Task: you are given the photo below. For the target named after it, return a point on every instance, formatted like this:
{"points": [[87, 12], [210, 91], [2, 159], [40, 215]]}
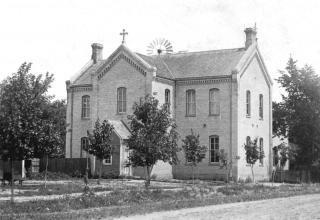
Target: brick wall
{"points": [[204, 125], [253, 80]]}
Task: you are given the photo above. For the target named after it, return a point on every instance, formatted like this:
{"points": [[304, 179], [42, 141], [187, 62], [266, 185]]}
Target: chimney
{"points": [[251, 36], [96, 52]]}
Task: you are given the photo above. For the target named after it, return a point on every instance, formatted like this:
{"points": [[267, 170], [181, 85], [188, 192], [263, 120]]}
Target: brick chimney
{"points": [[96, 52], [251, 36]]}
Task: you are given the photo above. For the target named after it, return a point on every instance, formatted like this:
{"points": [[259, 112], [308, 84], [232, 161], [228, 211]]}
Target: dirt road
{"points": [[298, 207]]}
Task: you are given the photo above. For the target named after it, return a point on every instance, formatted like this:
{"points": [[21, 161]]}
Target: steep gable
{"points": [[124, 53]]}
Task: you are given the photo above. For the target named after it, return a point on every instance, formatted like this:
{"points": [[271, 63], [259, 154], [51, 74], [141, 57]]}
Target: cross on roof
{"points": [[124, 33]]}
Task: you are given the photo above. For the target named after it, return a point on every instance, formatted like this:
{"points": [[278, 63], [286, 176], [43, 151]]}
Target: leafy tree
{"points": [[153, 136], [193, 151], [253, 154], [57, 115], [283, 154], [23, 98], [298, 114], [100, 142]]}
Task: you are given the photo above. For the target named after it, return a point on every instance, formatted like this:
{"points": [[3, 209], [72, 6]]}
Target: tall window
{"points": [[167, 97], [261, 106], [214, 149], [85, 110], [261, 150], [84, 144], [191, 102], [121, 100], [214, 102], [248, 103]]}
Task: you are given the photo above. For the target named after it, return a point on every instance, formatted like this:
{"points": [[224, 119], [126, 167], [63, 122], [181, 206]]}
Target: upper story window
{"points": [[191, 102], [84, 144], [214, 149], [261, 106], [248, 103], [121, 100], [214, 101], [261, 150], [85, 107], [167, 97]]}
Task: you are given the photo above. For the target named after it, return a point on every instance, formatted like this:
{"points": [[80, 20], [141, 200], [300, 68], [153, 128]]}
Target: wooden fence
{"points": [[70, 166], [296, 176]]}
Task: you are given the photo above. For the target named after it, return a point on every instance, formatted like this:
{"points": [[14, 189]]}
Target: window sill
{"points": [[216, 164], [214, 115], [85, 119], [191, 116], [107, 164], [121, 113]]}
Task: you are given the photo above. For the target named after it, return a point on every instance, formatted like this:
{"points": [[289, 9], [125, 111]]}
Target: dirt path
{"points": [[297, 207]]}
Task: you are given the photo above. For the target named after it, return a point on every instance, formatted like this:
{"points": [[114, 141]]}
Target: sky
{"points": [[56, 35]]}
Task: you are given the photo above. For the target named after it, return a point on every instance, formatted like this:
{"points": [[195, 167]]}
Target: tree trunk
{"points": [[100, 172], [252, 173], [148, 176], [12, 180], [46, 172], [192, 175]]}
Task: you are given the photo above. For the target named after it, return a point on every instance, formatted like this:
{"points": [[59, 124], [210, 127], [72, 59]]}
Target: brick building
{"points": [[224, 95]]}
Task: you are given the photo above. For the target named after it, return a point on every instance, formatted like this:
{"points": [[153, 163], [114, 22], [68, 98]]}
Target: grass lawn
{"points": [[138, 201]]}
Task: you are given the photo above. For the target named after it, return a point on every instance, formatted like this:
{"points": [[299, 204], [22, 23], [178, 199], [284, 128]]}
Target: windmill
{"points": [[159, 46]]}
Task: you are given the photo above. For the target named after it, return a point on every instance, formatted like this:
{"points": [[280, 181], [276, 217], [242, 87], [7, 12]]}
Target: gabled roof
{"points": [[176, 66], [84, 76], [120, 129], [196, 64]]}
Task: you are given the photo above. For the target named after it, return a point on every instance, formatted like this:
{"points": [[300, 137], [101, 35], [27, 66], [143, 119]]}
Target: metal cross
{"points": [[124, 33]]}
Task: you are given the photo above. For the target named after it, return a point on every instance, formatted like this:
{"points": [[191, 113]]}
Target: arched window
{"points": [[167, 100], [121, 100], [261, 106], [214, 101], [191, 102], [261, 150], [214, 148], [85, 107], [248, 103], [84, 145]]}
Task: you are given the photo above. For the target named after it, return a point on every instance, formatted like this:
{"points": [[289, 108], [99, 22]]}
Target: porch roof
{"points": [[120, 129]]}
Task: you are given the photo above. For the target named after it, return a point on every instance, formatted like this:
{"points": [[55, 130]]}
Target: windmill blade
{"points": [[159, 46]]}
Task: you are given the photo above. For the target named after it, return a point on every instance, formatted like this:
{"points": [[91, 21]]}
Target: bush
{"points": [[50, 176]]}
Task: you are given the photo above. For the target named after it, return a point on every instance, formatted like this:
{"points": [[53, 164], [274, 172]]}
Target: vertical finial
{"points": [[124, 33]]}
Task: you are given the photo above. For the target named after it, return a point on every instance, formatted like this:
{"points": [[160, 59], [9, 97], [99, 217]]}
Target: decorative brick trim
{"points": [[80, 88], [203, 81], [116, 60], [165, 81]]}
